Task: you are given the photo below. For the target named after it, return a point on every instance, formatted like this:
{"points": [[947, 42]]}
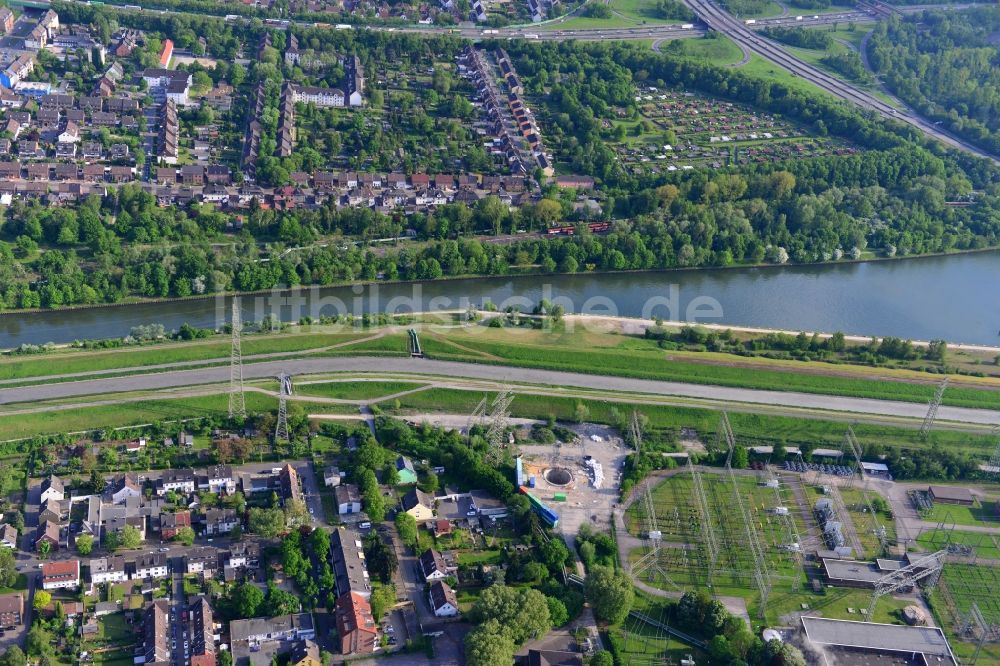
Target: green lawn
{"points": [[354, 389], [757, 427], [74, 361], [134, 413], [984, 545], [981, 515], [475, 558], [115, 631], [645, 360], [761, 68], [716, 50], [20, 584]]}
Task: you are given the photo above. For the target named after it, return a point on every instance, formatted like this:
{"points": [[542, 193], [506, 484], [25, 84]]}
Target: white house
{"points": [[62, 575], [443, 600], [348, 499], [432, 566], [150, 565], [108, 570], [124, 487], [52, 488], [332, 477]]}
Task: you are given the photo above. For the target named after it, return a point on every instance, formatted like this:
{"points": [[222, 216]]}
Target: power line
{"points": [[932, 408], [284, 390], [237, 401], [928, 566], [761, 575], [496, 435], [851, 441]]}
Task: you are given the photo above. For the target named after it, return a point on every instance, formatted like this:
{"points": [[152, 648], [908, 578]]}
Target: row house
{"points": [[108, 570], [172, 523], [149, 565], [18, 70], [220, 521], [61, 575], [169, 132]]}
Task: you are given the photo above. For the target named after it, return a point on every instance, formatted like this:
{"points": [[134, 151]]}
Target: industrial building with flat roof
{"points": [[847, 642]]}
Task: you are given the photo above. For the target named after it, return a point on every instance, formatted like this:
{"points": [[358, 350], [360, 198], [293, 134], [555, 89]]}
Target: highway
{"points": [[451, 370], [718, 19]]}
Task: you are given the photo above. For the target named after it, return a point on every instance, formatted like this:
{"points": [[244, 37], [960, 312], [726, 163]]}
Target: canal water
{"points": [[955, 297]]}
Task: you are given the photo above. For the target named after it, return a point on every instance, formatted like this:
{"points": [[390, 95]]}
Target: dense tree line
{"points": [[890, 197], [806, 39], [945, 65]]}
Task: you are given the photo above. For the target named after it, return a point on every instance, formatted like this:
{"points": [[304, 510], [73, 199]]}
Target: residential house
{"points": [[8, 536], [290, 486], [355, 79], [172, 523], [47, 532], [432, 566], [356, 627], [6, 20], [149, 565], [321, 97], [221, 175], [176, 480], [11, 606], [124, 486], [332, 477], [64, 574], [405, 470], [51, 511], [220, 521], [201, 560], [418, 504], [52, 488], [155, 634], [282, 628], [166, 53], [348, 499], [241, 555], [443, 600], [202, 633], [108, 570], [18, 70], [304, 653], [347, 557]]}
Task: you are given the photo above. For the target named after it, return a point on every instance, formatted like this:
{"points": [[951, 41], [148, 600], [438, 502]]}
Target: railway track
{"points": [[715, 18]]}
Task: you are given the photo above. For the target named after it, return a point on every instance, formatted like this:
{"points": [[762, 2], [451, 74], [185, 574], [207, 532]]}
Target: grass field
{"points": [[73, 361], [685, 555], [863, 523], [718, 50], [115, 416], [984, 545], [354, 390], [643, 359], [962, 585], [749, 428], [981, 515]]}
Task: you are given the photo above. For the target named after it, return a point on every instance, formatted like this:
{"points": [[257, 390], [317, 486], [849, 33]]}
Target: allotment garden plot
{"points": [[683, 130], [685, 554]]}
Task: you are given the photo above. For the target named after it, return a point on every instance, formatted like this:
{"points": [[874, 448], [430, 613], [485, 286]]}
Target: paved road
{"points": [[718, 19], [452, 370]]}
